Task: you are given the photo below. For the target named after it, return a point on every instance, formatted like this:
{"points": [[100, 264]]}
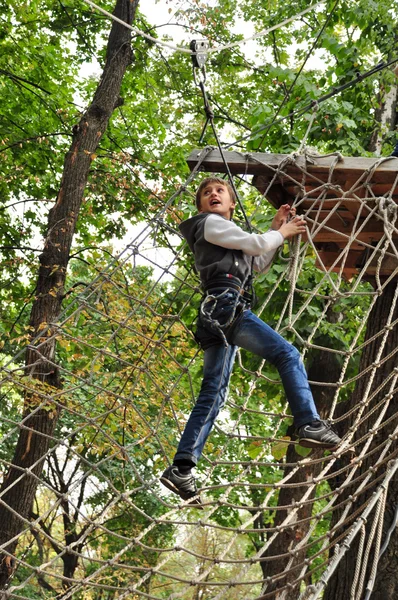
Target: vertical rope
{"points": [[376, 557], [358, 563], [365, 557]]}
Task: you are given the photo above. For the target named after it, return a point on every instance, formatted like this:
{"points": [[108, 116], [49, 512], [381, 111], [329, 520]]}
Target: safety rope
{"points": [[200, 81], [199, 64]]}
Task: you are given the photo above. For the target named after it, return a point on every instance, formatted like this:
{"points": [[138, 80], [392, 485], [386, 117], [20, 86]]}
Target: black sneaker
{"points": [[182, 485], [318, 434]]}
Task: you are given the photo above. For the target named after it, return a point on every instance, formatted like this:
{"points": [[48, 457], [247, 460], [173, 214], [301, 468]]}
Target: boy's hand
{"points": [[294, 227], [282, 215]]}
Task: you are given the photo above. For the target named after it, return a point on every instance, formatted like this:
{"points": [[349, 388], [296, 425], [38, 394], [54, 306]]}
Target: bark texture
{"points": [[386, 585], [19, 486]]}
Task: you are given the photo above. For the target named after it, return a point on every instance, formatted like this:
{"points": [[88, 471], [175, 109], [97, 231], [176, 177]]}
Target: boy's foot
{"points": [[318, 434], [182, 485]]}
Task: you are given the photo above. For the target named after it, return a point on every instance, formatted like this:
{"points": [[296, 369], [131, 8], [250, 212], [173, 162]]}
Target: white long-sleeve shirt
{"points": [[227, 234]]}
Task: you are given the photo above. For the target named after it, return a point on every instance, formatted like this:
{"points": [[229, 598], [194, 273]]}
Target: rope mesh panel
{"points": [[102, 526]]}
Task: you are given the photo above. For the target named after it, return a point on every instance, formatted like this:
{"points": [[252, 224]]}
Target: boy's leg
{"points": [[257, 337], [217, 368], [395, 151]]}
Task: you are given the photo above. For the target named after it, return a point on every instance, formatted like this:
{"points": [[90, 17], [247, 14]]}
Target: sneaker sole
{"points": [[195, 501], [170, 486], [308, 443]]}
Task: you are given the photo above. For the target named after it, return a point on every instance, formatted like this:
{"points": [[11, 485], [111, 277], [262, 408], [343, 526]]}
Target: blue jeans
{"points": [[395, 151], [250, 333]]}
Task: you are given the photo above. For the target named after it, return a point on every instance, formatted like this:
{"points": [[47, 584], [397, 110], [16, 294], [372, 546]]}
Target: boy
{"points": [[223, 256]]}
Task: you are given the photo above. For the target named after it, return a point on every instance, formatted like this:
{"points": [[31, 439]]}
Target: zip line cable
{"points": [[308, 55], [301, 111], [220, 48], [298, 112]]}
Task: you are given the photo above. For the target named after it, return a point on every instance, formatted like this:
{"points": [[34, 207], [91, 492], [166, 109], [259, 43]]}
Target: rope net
{"points": [[277, 518]]}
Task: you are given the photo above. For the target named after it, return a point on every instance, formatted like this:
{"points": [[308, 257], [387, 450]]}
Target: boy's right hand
{"points": [[294, 227]]}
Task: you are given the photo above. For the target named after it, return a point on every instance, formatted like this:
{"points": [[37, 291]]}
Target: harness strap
{"points": [[224, 280], [227, 281]]}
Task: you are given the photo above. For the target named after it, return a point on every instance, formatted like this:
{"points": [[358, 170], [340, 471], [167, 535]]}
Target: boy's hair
{"points": [[206, 182]]}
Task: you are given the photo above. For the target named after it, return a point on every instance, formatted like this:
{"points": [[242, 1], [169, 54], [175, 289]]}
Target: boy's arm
{"points": [[261, 264], [263, 246], [226, 234], [288, 228]]}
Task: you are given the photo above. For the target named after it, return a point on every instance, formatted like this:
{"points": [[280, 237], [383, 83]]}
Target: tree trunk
{"points": [[323, 368], [385, 116], [386, 585], [20, 483]]}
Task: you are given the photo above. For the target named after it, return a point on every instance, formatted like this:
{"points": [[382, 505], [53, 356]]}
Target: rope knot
{"points": [[209, 112], [308, 592], [388, 209]]}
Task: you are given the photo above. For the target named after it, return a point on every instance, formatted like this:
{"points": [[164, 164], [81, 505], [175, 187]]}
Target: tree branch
{"points": [[17, 78]]}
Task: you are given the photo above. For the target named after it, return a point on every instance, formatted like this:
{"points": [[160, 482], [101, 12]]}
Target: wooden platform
{"points": [[339, 198]]}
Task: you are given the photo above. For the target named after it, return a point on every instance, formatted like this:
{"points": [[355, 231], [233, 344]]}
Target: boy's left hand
{"points": [[282, 215]]}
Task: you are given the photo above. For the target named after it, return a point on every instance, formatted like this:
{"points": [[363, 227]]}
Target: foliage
{"points": [[124, 323]]}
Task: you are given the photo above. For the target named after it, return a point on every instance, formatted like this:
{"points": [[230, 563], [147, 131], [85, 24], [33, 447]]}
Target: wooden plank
{"points": [[381, 189], [260, 163], [325, 227], [354, 262], [324, 237], [321, 239], [289, 192], [328, 259], [325, 204], [344, 223], [347, 272]]}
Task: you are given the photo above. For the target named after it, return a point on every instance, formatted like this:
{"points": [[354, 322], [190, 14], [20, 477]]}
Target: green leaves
{"points": [[279, 449]]}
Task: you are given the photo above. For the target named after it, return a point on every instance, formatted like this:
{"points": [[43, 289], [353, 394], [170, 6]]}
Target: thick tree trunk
{"points": [[20, 483], [386, 586], [323, 368]]}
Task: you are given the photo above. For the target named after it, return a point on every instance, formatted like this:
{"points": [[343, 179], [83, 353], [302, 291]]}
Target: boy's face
{"points": [[215, 198]]}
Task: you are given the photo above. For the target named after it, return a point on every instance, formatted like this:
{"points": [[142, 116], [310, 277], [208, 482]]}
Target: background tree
{"points": [[33, 442]]}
